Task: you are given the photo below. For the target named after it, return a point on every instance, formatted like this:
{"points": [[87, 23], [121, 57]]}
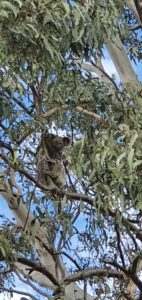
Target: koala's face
{"points": [[58, 144], [54, 145]]}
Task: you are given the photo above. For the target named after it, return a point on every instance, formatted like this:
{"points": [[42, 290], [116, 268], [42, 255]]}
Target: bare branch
{"points": [[18, 292], [103, 71], [66, 107], [18, 101], [133, 238], [128, 273], [49, 113], [134, 269], [27, 281], [25, 135], [70, 258], [116, 265], [135, 229], [8, 147], [36, 98], [135, 28], [89, 113], [81, 275], [39, 268], [119, 245]]}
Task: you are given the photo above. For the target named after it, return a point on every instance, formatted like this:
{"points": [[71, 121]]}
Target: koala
{"points": [[50, 160]]}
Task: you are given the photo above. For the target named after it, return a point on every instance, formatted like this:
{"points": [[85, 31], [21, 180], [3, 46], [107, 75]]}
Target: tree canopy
{"points": [[84, 242]]}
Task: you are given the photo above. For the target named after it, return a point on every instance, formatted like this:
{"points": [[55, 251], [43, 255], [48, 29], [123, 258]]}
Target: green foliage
{"points": [[110, 160], [13, 242], [42, 86], [42, 32]]}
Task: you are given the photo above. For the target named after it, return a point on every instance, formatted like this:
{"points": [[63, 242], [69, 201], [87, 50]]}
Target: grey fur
{"points": [[50, 160]]}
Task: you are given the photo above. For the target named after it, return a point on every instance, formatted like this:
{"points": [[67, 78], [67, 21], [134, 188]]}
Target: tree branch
{"points": [[27, 281], [36, 98], [134, 228], [39, 268], [135, 10], [121, 61], [66, 107], [70, 258], [137, 27], [18, 292], [119, 245], [83, 274], [18, 101], [103, 71], [25, 135], [89, 113], [8, 147], [129, 274]]}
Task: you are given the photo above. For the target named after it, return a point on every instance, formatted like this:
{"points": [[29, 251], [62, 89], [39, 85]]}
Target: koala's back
{"points": [[49, 160]]}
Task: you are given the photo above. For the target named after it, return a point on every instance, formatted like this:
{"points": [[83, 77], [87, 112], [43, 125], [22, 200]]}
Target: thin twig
{"points": [[18, 101], [119, 245], [103, 71], [2, 126], [18, 292], [135, 27], [25, 135], [28, 282], [8, 147], [29, 207], [70, 258]]}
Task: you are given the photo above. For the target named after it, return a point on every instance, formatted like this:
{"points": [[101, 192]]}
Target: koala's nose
{"points": [[59, 154], [59, 147]]}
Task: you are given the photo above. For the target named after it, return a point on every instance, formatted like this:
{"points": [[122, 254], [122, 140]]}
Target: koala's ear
{"points": [[66, 141]]}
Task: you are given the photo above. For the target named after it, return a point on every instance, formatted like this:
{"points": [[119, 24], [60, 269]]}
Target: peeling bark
{"points": [[123, 66]]}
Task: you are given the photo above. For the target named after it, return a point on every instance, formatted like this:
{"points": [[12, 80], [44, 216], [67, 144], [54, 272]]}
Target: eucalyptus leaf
{"points": [[133, 139], [121, 156], [130, 158], [10, 6]]}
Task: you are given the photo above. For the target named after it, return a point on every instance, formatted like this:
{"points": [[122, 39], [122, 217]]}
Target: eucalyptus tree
{"points": [[83, 242]]}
